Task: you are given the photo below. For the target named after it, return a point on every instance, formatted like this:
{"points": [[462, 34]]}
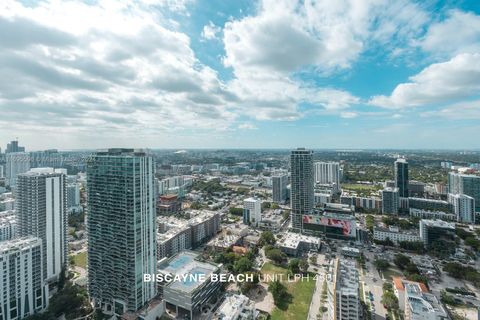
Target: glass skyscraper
{"points": [[302, 186], [401, 177], [121, 229]]}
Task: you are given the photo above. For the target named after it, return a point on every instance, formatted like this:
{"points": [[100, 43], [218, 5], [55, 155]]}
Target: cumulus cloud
{"points": [[288, 35], [120, 69], [439, 83], [210, 31], [458, 33], [467, 110]]}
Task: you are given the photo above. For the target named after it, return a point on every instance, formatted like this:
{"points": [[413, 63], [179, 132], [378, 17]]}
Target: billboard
{"points": [[346, 225]]}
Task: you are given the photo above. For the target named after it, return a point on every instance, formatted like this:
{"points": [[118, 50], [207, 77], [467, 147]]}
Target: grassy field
{"points": [[81, 260], [301, 292], [359, 187], [389, 274]]}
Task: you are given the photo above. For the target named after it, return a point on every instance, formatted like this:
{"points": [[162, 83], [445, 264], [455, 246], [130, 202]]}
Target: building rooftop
{"points": [[186, 263], [232, 306], [347, 279], [399, 284], [438, 224], [293, 240], [422, 303], [18, 244]]}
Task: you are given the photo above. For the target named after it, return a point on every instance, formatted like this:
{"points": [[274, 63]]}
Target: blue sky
{"points": [[240, 74]]}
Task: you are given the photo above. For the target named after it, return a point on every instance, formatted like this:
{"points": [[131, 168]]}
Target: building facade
{"points": [[8, 225], [252, 211], [465, 184], [327, 173], [302, 197], [279, 188], [343, 291], [121, 228], [390, 200], [17, 162], [401, 177], [23, 291], [41, 212], [463, 207]]}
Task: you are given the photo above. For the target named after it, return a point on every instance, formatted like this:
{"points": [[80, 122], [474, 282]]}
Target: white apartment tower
{"points": [[41, 212], [17, 162], [279, 188], [252, 211], [328, 173], [23, 291], [463, 207]]}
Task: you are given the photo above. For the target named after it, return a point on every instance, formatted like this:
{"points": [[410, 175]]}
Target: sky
{"points": [[240, 74]]}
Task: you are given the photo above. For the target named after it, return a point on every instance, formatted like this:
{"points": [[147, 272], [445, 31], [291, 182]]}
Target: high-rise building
{"points": [[465, 184], [8, 225], [463, 207], [41, 212], [252, 211], [17, 162], [14, 147], [401, 177], [302, 187], [328, 173], [73, 196], [23, 291], [121, 229], [48, 158], [390, 201], [436, 231], [279, 188], [343, 291]]}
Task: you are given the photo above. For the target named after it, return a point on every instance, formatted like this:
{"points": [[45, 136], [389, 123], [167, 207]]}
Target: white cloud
{"points": [[348, 114], [247, 126], [286, 36], [121, 69], [439, 83], [458, 33], [210, 31], [468, 110]]}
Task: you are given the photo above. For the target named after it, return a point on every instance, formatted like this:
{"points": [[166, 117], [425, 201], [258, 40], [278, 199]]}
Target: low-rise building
{"points": [[295, 244], [236, 307], [351, 252], [186, 296], [395, 235], [175, 235], [421, 305], [343, 293], [436, 230], [428, 214], [399, 289]]}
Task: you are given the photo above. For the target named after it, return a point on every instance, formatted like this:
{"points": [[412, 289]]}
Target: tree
{"points": [[243, 265], [279, 293], [401, 261], [266, 237], [303, 265], [381, 264], [370, 222], [389, 300], [236, 211], [275, 255], [294, 265]]}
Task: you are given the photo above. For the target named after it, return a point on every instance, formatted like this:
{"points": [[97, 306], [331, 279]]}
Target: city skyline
{"points": [[250, 74]]}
